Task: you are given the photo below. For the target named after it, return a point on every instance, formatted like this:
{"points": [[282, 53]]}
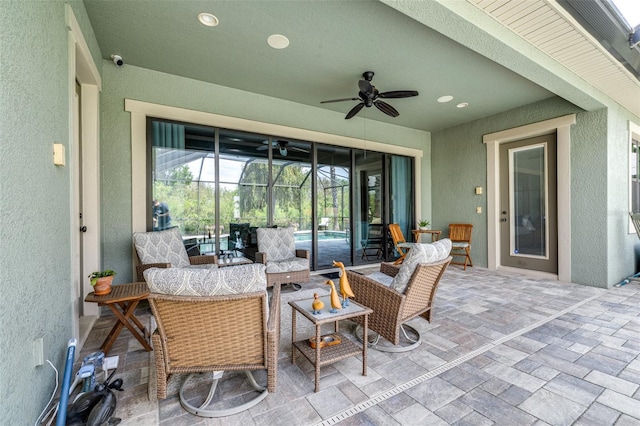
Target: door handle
{"points": [[83, 229], [504, 219]]}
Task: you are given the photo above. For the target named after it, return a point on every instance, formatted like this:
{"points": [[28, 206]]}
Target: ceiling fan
{"points": [[282, 146], [369, 95]]}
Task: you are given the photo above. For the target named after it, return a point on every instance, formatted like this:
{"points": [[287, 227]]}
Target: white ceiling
{"points": [[334, 42]]}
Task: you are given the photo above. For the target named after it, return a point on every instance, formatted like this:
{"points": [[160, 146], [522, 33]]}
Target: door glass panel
{"points": [[244, 177], [370, 230], [529, 201], [332, 205], [401, 200], [183, 182], [292, 205]]}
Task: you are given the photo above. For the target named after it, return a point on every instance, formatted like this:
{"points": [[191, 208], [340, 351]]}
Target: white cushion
{"points": [[278, 243], [460, 245], [207, 282], [287, 265], [381, 277], [161, 247], [420, 253]]}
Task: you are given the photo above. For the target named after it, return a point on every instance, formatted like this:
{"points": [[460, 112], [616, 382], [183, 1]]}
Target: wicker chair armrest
{"points": [[261, 258], [203, 259], [273, 324], [141, 268], [273, 339], [374, 295], [389, 268], [302, 253]]}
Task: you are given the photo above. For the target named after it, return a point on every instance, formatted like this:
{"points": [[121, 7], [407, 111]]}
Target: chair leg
{"points": [[217, 375], [295, 286], [386, 346]]}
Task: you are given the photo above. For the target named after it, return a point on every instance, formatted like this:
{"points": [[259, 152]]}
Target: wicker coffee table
{"points": [[328, 354]]}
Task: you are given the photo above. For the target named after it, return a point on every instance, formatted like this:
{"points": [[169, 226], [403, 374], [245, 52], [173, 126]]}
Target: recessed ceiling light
{"points": [[462, 105], [208, 19], [277, 41], [443, 99]]}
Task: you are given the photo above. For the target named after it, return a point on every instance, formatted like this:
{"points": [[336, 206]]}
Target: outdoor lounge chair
{"points": [[398, 294], [285, 264], [211, 321], [165, 249]]}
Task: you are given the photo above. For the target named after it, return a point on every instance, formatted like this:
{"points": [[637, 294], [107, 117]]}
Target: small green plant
{"points": [[423, 222], [99, 274]]}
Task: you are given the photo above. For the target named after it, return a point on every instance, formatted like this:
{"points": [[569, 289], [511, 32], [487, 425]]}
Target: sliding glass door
{"points": [[218, 186]]}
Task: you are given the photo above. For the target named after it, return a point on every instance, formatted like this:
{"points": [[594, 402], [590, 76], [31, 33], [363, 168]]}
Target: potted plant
{"points": [[423, 224], [101, 281]]}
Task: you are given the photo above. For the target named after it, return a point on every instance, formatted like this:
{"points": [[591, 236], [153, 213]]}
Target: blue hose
{"points": [[61, 419]]}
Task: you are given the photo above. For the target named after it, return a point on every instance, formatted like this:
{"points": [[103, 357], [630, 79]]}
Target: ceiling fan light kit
{"points": [[370, 96]]}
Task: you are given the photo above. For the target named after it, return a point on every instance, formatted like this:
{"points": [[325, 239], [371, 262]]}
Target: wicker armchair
{"points": [[393, 308], [285, 264], [165, 249], [224, 332]]}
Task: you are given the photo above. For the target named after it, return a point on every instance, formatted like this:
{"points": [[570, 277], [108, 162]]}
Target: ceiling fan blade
{"points": [[365, 87], [340, 100], [386, 108], [295, 148], [398, 94], [356, 109]]}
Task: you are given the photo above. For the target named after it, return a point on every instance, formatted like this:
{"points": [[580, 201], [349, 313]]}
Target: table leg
{"points": [[317, 361], [135, 320], [364, 345], [293, 335], [123, 321]]}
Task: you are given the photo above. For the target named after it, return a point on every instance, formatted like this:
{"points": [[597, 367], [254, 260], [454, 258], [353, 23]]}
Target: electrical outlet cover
{"points": [[110, 362]]}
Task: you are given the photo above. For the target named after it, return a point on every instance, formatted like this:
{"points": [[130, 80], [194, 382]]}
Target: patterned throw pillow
{"points": [[278, 243], [207, 282], [420, 253], [161, 247]]}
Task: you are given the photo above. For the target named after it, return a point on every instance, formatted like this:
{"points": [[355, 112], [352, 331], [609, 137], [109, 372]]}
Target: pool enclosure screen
{"points": [[218, 186]]}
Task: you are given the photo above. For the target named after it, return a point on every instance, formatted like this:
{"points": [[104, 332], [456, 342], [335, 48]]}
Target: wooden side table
{"points": [[328, 354], [435, 234], [122, 301]]}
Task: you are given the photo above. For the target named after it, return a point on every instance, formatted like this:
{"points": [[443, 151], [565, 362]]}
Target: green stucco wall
{"points": [[620, 240], [155, 87], [599, 185], [589, 198], [35, 258]]}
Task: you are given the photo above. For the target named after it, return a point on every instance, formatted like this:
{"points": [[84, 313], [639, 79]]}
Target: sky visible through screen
{"points": [[630, 9]]}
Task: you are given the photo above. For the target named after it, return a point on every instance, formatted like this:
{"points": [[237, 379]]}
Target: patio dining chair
{"points": [[460, 236], [401, 245], [214, 321], [372, 245], [398, 294], [166, 249]]}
